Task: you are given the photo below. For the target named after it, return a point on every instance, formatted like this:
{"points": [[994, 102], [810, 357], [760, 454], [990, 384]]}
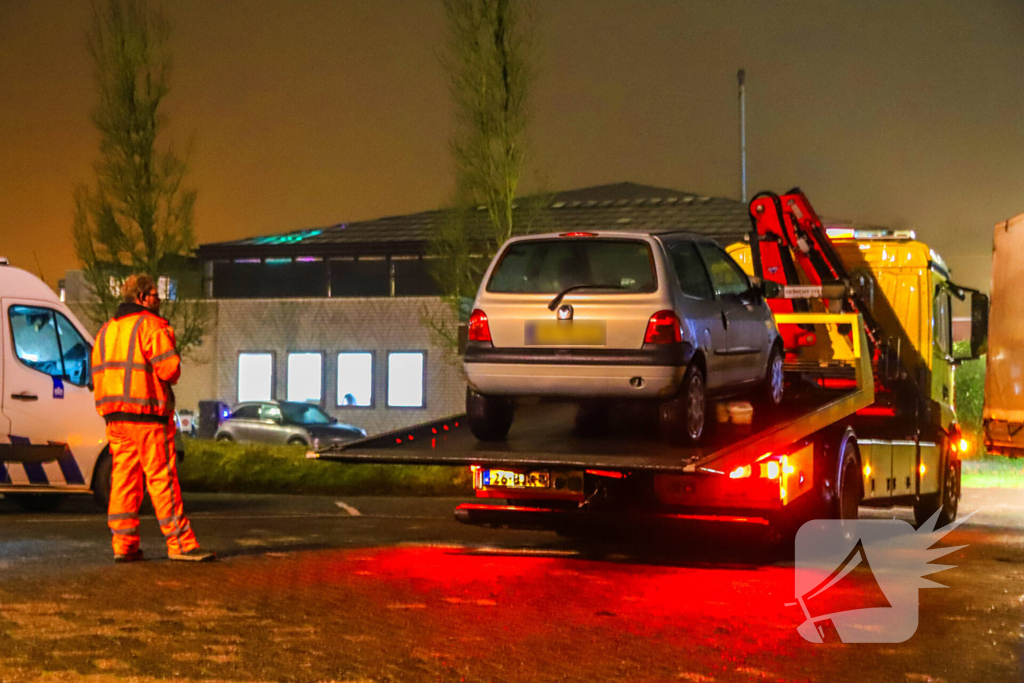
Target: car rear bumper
{"points": [[649, 372], [574, 381]]}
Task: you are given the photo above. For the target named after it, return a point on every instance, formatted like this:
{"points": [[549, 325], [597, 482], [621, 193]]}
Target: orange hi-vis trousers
{"points": [[145, 448]]}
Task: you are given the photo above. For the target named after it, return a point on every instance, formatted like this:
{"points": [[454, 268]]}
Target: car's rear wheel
{"points": [[297, 441], [771, 390], [224, 437], [682, 417], [489, 417]]}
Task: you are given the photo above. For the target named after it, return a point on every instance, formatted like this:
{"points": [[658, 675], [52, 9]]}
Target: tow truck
{"points": [[868, 419]]}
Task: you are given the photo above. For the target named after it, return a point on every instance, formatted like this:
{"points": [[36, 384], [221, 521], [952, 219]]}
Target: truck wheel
{"points": [[771, 390], [850, 486], [947, 499], [36, 502], [489, 417], [682, 418]]}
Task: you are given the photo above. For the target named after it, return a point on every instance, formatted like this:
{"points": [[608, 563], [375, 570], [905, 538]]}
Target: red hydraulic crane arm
{"points": [[788, 234]]}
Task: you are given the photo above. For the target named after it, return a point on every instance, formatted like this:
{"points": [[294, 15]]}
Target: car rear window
{"points": [[551, 266]]}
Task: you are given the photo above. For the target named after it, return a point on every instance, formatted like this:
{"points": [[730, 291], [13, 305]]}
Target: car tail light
{"points": [[663, 328], [479, 330], [578, 234]]}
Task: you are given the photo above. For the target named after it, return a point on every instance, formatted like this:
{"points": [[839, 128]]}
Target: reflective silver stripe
{"points": [[163, 356], [122, 515], [168, 520], [132, 341], [117, 364], [125, 532], [133, 401]]}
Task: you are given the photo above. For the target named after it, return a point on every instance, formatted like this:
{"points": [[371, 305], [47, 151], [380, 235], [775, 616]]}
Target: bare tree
{"points": [[138, 217], [488, 65]]}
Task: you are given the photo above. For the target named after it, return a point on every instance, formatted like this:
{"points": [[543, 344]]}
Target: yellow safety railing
{"points": [[832, 321]]}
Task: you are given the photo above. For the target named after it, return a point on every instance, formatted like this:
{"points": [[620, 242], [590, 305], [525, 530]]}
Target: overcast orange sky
{"points": [[307, 113]]}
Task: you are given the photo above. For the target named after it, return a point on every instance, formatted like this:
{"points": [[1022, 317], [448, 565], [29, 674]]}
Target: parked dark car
{"points": [[285, 422]]}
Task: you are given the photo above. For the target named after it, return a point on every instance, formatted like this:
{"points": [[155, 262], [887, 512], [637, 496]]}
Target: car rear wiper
{"points": [[558, 299]]}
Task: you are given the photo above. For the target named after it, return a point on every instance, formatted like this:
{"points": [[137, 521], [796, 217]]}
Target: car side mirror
{"points": [[769, 289], [334, 420]]}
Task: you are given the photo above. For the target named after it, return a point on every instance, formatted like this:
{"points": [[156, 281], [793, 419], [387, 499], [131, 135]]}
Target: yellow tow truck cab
{"points": [[909, 438]]}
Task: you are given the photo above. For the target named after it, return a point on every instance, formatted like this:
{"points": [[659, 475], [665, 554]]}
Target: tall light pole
{"points": [[741, 76]]}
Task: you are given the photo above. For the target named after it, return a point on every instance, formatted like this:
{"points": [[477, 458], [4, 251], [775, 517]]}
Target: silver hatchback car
{"points": [[285, 422], [669, 318]]}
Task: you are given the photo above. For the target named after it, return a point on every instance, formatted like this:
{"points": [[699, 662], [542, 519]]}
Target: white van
{"points": [[52, 441]]}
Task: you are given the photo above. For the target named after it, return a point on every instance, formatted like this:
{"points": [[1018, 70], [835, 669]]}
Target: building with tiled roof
{"points": [[385, 256]]}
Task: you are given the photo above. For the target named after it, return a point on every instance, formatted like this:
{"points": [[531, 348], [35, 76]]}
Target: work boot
{"points": [[194, 555], [133, 556]]}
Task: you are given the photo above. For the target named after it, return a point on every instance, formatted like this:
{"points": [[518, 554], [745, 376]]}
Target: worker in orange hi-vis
{"points": [[134, 364]]}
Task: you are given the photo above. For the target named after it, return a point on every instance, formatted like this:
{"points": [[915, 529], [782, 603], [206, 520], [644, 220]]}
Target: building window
{"points": [[365, 276], [405, 379], [413, 278], [355, 379], [305, 377], [255, 376]]}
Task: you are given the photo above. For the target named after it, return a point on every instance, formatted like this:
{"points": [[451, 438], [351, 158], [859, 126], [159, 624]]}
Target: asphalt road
{"points": [[390, 589]]}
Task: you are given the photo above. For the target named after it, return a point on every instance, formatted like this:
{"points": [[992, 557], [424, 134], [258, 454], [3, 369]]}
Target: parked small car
{"points": [[285, 422], [600, 317]]}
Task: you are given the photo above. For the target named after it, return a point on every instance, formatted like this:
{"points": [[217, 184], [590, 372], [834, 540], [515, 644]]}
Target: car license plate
{"points": [[565, 333], [515, 480]]}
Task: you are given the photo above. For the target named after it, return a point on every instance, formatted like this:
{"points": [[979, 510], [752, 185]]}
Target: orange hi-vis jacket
{"points": [[134, 364]]}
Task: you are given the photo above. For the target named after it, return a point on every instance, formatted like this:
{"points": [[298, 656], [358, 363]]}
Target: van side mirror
{"points": [[979, 324]]}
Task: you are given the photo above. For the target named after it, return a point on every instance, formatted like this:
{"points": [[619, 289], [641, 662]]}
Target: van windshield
{"points": [[550, 266]]}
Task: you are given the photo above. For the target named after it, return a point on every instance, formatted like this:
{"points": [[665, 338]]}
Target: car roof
{"points": [[666, 235]]}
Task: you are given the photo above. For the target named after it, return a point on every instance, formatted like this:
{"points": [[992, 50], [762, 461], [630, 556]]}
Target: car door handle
{"points": [[725, 320], [25, 397]]}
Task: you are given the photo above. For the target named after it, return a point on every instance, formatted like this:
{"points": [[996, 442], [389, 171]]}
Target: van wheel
{"points": [[489, 417], [101, 480], [947, 499], [682, 418], [772, 389], [36, 502]]}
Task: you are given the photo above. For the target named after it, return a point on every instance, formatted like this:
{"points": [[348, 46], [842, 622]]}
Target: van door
{"points": [[46, 395]]}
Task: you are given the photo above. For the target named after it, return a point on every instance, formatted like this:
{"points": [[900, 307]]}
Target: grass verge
{"points": [[226, 467], [992, 471]]}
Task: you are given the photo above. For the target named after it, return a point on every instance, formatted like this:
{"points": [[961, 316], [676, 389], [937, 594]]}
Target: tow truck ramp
{"points": [[547, 454]]}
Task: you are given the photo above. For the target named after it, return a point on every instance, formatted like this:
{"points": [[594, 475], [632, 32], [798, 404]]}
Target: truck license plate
{"points": [[565, 333], [515, 480]]}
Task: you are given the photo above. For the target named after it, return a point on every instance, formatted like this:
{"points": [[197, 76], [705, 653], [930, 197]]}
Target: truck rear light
{"points": [[740, 472], [663, 328], [479, 330], [807, 339]]}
